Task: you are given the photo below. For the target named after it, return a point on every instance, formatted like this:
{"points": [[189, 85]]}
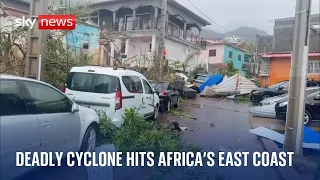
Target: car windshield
{"points": [[277, 85], [160, 85]]}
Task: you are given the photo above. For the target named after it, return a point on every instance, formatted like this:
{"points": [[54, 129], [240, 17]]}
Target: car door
{"points": [[132, 95], [79, 87], [148, 99], [20, 131], [104, 94], [60, 128]]}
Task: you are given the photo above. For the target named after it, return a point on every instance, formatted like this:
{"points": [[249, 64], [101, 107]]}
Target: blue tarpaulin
{"points": [[214, 80], [310, 136]]}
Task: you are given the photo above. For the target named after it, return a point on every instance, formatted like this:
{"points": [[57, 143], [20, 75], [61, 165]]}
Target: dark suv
{"points": [[280, 88]]}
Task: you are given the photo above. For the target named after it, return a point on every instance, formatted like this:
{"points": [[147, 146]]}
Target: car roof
{"points": [[13, 77], [106, 71]]}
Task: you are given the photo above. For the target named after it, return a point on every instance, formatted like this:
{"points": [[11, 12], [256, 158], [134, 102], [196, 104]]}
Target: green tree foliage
{"points": [[230, 70], [59, 57]]}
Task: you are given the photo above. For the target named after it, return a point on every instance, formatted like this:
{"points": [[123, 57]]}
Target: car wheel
{"points": [[89, 140], [178, 104], [265, 97], [307, 118]]}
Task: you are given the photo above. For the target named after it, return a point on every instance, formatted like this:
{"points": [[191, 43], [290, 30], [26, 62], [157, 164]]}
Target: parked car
{"points": [[35, 117], [275, 99], [280, 88], [188, 92], [200, 78], [168, 94], [312, 107], [111, 90]]}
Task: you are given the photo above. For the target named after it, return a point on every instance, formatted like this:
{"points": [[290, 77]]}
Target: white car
{"points": [[111, 90], [36, 117]]}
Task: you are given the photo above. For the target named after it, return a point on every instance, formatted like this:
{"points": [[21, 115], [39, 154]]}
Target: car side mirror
{"points": [[75, 108], [280, 88], [317, 97]]}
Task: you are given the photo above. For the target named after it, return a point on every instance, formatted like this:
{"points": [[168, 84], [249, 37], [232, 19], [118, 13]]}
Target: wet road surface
{"points": [[223, 124]]}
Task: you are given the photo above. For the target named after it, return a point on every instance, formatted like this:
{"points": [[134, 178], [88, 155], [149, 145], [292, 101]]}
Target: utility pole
{"points": [[162, 33], [299, 60], [37, 42]]}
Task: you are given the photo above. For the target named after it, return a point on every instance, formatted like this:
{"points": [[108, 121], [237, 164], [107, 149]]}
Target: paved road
{"points": [[220, 124], [224, 124]]}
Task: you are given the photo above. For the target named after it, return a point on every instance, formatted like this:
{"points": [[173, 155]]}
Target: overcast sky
{"points": [[232, 14]]}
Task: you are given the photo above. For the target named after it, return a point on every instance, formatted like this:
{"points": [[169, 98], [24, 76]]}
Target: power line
{"points": [[207, 16]]}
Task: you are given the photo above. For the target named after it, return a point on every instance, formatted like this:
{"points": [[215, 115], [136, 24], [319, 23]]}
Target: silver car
{"points": [[36, 117], [275, 99]]}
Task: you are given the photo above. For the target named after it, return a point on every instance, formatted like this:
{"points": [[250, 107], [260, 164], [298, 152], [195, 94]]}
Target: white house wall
{"points": [[178, 51]]}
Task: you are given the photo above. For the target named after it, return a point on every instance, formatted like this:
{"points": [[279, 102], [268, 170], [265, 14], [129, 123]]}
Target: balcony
{"points": [[171, 29], [137, 25], [264, 70]]}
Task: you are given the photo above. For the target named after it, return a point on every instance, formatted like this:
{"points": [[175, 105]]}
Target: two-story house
{"points": [[223, 52], [274, 61], [138, 22]]}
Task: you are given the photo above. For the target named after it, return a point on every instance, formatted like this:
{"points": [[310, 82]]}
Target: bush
{"points": [[136, 134]]}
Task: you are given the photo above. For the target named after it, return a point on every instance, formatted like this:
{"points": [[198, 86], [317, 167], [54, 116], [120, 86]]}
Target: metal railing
{"points": [[171, 29], [136, 25]]}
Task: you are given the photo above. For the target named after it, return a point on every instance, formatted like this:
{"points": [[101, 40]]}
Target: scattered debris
{"points": [[235, 85], [311, 138]]}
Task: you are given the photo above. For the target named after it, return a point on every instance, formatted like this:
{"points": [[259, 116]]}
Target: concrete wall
{"points": [[280, 70], [235, 53], [178, 51], [139, 45], [283, 35], [85, 34]]}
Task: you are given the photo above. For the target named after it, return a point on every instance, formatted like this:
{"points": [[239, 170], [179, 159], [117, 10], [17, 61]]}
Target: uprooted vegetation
{"points": [[137, 134]]}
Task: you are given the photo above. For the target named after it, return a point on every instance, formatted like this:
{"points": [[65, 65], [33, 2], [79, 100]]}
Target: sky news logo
{"points": [[49, 22]]}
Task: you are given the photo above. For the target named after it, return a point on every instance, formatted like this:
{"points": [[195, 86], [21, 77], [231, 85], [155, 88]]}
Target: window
{"points": [[47, 100], [97, 83], [150, 48], [230, 54], [123, 48], [285, 85], [85, 46], [314, 67], [239, 57], [106, 84], [147, 88], [133, 84], [11, 99], [212, 53]]}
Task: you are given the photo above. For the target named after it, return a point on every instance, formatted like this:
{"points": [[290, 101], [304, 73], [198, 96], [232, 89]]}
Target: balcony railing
{"points": [[172, 29], [137, 25], [264, 70]]}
